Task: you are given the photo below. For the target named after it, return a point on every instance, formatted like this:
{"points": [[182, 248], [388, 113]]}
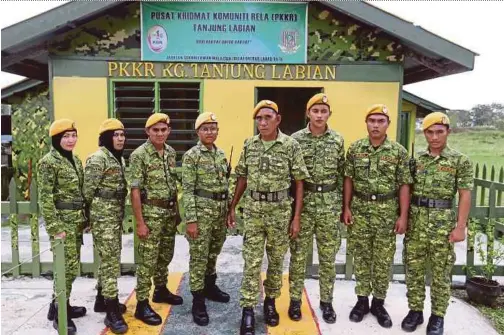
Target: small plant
{"points": [[483, 289]]}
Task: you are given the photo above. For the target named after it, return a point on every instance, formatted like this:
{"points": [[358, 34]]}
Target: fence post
{"points": [[59, 272], [483, 190], [13, 222], [501, 181], [35, 237]]}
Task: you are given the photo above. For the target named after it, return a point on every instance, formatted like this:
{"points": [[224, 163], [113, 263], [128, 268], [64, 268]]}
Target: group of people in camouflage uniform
{"points": [[294, 187]]}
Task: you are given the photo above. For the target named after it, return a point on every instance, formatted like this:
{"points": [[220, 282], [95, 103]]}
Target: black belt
{"points": [[431, 203], [71, 205], [162, 203], [319, 188], [109, 194], [219, 196], [269, 196], [376, 197]]}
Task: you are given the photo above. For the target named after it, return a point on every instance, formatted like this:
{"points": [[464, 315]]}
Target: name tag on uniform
{"points": [[264, 164]]}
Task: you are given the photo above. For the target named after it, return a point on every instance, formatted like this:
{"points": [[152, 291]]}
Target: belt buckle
{"points": [[319, 188], [223, 196], [373, 197], [171, 203], [263, 197]]}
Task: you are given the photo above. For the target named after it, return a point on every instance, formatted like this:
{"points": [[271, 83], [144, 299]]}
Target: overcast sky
{"points": [[477, 26]]}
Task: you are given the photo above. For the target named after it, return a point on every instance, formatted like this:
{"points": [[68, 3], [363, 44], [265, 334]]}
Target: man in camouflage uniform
{"points": [[376, 175], [205, 195], [105, 190], [61, 204], [324, 155], [439, 172], [266, 165], [154, 202]]}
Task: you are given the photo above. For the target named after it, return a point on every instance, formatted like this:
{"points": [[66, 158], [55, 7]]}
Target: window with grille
{"points": [[134, 102]]}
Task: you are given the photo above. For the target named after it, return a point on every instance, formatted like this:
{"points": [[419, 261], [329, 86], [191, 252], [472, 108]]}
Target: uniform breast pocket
{"points": [[279, 164], [387, 167], [362, 166], [443, 180]]}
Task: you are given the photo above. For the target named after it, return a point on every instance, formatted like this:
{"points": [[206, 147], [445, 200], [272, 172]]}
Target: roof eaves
{"points": [[405, 31], [19, 86], [416, 100]]}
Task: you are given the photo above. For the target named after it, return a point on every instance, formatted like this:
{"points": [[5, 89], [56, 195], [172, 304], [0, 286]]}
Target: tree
{"points": [[487, 115]]}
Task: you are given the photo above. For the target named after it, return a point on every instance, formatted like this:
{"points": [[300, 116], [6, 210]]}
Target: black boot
{"points": [[199, 312], [295, 310], [360, 309], [328, 313], [71, 328], [412, 321], [247, 326], [75, 311], [271, 316], [99, 305], [212, 291], [145, 313], [114, 319], [435, 325], [381, 313], [163, 295]]}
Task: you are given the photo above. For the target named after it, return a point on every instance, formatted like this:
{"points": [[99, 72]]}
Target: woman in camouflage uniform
{"points": [[62, 207], [105, 190]]}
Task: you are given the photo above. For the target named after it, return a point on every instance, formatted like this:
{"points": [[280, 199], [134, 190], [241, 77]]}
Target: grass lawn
{"points": [[495, 315], [483, 147]]}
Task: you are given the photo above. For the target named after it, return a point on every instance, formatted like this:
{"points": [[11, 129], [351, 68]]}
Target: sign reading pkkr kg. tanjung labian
{"points": [[232, 32]]}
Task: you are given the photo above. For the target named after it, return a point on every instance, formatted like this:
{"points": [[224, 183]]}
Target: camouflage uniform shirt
{"points": [[270, 170], [203, 169], [377, 171], [153, 173], [58, 180]]}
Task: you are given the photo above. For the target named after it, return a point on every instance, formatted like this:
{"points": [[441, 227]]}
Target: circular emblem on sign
{"points": [[157, 39], [324, 99], [385, 110], [212, 117]]}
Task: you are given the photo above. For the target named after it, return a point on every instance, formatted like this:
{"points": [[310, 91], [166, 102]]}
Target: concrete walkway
{"points": [[22, 298]]}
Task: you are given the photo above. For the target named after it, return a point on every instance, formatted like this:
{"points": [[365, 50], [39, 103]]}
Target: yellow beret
{"points": [[378, 109], [435, 118], [60, 126], [111, 124], [206, 117], [319, 98], [265, 104], [155, 118]]}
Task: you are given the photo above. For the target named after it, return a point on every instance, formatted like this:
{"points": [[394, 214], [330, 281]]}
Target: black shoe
{"points": [[71, 328], [163, 295], [435, 325], [114, 319], [212, 291], [247, 326], [271, 316], [99, 305], [412, 321], [380, 312], [328, 313], [360, 309], [199, 312], [295, 310], [74, 312], [145, 313]]}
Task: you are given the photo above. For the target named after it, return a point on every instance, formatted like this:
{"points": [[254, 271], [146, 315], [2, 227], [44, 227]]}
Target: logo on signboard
{"points": [[157, 39], [289, 41]]}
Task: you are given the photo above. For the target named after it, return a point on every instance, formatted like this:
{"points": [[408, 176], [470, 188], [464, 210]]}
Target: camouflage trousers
{"points": [[156, 251], [72, 246], [426, 242], [264, 223], [208, 245], [324, 224], [372, 242], [107, 237]]}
